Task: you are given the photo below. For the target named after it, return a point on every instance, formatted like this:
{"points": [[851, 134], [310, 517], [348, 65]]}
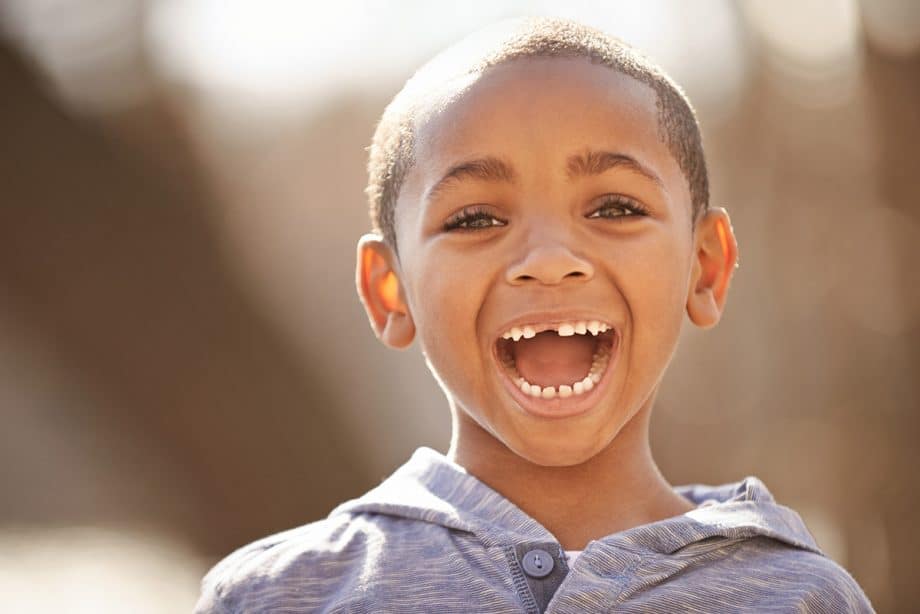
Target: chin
{"points": [[556, 451], [567, 445]]}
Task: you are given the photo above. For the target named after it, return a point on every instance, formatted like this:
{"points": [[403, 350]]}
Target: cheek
{"points": [[447, 302], [657, 301]]}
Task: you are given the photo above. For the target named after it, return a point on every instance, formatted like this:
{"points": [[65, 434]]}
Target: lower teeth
{"points": [[598, 365]]}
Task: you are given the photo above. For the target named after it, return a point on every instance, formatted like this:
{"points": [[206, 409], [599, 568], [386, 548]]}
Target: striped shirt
{"points": [[432, 538]]}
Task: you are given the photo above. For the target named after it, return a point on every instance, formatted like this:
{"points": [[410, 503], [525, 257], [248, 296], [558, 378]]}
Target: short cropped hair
{"points": [[392, 148]]}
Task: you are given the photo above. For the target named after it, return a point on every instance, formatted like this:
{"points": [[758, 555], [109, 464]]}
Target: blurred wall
{"points": [[184, 361]]}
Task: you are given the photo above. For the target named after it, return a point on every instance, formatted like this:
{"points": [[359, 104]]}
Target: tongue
{"points": [[550, 360]]}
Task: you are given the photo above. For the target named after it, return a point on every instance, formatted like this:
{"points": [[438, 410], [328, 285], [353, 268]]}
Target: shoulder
{"points": [[752, 550], [777, 574], [823, 584], [304, 562], [319, 565]]}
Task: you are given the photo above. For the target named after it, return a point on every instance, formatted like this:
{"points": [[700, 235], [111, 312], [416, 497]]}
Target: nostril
{"points": [[549, 264]]}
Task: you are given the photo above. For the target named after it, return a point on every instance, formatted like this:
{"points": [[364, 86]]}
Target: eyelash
{"points": [[464, 219], [617, 202]]}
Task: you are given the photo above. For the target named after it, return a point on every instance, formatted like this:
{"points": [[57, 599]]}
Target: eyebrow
{"points": [[489, 168], [597, 162], [585, 164]]}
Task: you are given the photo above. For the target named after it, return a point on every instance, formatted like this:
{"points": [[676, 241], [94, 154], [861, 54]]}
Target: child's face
{"points": [[550, 242]]}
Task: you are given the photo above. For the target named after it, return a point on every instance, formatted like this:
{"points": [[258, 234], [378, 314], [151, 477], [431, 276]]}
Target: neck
{"points": [[617, 489]]}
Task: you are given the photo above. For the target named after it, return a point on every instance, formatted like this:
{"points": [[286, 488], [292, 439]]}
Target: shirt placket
{"points": [[537, 569]]}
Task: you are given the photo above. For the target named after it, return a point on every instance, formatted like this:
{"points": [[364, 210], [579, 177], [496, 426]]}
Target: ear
{"points": [[715, 260], [381, 292]]}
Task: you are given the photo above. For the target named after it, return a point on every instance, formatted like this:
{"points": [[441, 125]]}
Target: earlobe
{"points": [[715, 258], [381, 293]]}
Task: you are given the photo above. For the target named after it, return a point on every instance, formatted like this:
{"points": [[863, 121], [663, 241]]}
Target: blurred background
{"points": [[185, 367]]}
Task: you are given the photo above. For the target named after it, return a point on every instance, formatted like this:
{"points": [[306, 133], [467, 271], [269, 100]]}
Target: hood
{"points": [[430, 488]]}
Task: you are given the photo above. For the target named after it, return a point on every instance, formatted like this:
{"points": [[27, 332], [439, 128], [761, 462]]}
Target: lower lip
{"points": [[558, 407]]}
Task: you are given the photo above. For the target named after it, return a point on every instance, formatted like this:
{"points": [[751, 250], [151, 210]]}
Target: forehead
{"points": [[535, 113]]}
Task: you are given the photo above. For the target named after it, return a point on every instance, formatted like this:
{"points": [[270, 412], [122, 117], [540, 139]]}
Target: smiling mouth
{"points": [[556, 360]]}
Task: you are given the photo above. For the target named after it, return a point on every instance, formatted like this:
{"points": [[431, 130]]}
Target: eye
{"points": [[475, 217], [612, 206]]}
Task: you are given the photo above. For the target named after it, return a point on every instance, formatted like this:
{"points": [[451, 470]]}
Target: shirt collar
{"points": [[431, 488]]}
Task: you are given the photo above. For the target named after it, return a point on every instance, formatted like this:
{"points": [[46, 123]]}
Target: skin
{"points": [[550, 249]]}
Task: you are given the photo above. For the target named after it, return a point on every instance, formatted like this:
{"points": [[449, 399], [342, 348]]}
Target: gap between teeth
{"points": [[598, 365], [566, 329]]}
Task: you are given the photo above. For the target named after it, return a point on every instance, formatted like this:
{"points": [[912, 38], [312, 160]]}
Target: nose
{"points": [[549, 264]]}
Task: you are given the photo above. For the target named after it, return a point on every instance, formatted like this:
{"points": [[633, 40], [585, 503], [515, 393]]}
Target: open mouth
{"points": [[561, 360]]}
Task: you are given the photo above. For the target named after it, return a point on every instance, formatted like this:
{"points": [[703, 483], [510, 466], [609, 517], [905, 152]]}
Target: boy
{"points": [[540, 201]]}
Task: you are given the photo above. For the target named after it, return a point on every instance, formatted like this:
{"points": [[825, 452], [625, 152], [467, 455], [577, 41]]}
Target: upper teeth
{"points": [[564, 329]]}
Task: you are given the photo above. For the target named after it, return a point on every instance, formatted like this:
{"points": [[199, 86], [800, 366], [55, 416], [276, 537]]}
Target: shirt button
{"points": [[537, 563]]}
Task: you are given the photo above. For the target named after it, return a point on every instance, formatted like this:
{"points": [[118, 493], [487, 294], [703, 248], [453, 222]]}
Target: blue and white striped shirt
{"points": [[432, 538]]}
